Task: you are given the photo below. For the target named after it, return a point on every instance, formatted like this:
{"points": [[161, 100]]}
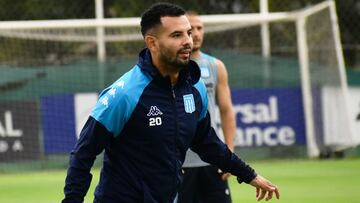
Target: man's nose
{"points": [[188, 40]]}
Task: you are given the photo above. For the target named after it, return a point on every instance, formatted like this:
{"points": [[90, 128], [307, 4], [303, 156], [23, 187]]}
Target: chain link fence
{"points": [[41, 70]]}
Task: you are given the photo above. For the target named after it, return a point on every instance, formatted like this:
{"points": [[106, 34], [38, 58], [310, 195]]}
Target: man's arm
{"points": [[93, 139], [227, 115], [212, 150], [223, 97]]}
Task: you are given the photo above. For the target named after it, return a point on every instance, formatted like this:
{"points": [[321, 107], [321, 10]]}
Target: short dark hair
{"points": [[151, 17]]}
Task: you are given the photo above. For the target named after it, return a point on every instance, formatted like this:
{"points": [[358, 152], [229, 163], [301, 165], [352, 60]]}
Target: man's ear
{"points": [[150, 42]]}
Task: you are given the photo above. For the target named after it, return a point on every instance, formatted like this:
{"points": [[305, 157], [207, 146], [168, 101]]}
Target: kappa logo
{"points": [[121, 84], [154, 111], [105, 101], [112, 92], [155, 121]]}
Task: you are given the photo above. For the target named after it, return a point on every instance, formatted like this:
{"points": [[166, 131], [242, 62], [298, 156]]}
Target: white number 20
{"points": [[155, 121]]}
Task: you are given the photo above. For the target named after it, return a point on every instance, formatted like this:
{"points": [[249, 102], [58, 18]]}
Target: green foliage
{"points": [[45, 9], [348, 14]]}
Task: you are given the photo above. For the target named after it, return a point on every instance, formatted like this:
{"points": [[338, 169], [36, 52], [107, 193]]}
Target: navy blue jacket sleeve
{"points": [[212, 150], [93, 139]]}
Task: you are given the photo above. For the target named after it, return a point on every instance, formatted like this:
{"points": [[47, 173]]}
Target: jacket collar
{"points": [[191, 73]]}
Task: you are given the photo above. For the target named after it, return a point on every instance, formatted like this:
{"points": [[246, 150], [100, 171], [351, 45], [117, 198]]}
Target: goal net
{"points": [[294, 97]]}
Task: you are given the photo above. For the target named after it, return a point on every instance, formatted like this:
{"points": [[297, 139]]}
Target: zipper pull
{"points": [[173, 92]]}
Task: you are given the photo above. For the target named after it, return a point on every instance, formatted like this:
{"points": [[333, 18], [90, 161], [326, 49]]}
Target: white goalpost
{"points": [[318, 51]]}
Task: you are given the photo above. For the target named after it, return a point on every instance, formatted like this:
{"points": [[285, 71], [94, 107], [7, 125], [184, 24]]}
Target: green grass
{"points": [[330, 181], [300, 181]]}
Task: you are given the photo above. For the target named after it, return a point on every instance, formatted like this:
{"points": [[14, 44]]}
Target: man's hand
{"points": [[264, 188], [225, 176]]}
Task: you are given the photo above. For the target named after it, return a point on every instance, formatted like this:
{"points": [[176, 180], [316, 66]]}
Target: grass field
{"points": [[300, 181]]}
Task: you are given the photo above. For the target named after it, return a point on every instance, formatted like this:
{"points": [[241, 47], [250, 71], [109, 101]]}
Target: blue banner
{"points": [[265, 117], [269, 117], [58, 118]]}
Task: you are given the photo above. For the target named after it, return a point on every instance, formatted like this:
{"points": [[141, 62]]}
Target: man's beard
{"points": [[174, 62], [197, 45], [194, 49]]}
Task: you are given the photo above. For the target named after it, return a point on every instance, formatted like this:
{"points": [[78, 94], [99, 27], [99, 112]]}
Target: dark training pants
{"points": [[203, 185]]}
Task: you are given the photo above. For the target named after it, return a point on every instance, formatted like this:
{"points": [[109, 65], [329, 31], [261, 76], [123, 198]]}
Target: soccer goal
{"points": [[43, 62], [310, 35]]}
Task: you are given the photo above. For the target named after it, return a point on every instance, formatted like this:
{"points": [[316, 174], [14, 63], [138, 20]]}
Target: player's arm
{"points": [[212, 150], [106, 120], [223, 97], [93, 139]]}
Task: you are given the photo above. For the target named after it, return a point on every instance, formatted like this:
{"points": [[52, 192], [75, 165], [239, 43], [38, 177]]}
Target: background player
{"points": [[203, 182]]}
